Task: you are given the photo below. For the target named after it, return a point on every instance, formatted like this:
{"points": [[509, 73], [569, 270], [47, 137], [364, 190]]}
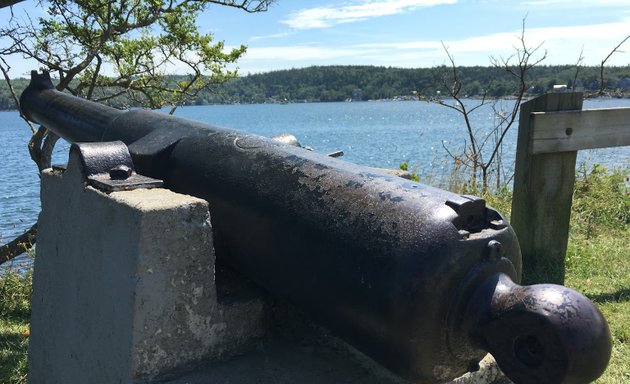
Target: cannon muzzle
{"points": [[422, 280]]}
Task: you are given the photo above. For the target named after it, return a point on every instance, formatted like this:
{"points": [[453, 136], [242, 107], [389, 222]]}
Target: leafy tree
{"points": [[119, 51]]}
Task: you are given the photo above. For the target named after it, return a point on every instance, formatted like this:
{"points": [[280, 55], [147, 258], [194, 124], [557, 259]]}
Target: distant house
{"points": [[560, 88], [357, 95]]}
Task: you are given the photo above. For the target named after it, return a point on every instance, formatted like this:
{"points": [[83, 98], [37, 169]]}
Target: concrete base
{"points": [[124, 286], [299, 351], [285, 362]]}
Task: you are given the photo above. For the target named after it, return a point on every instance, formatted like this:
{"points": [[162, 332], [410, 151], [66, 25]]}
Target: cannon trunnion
{"points": [[420, 279]]}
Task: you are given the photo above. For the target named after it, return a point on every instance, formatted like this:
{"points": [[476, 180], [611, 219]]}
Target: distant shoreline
{"points": [[362, 83], [396, 99]]}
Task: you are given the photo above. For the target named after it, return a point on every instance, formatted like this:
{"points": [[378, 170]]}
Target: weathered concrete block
{"points": [[124, 285]]}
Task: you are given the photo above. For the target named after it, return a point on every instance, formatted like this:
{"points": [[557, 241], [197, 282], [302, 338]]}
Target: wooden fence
{"points": [[552, 128]]}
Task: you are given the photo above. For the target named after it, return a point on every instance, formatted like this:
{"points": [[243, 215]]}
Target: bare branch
{"points": [[525, 54], [97, 70], [578, 65], [455, 157], [601, 68], [251, 6], [5, 68], [516, 66]]}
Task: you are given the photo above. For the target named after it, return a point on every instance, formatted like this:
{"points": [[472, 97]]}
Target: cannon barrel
{"points": [[422, 280]]}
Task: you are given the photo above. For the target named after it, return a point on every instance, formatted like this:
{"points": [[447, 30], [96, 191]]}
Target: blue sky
{"points": [[409, 33]]}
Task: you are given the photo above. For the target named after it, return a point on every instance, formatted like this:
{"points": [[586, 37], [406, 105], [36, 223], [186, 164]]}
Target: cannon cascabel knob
{"points": [[543, 333]]}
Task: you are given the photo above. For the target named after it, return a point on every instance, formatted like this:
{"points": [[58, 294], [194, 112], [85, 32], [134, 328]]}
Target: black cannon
{"points": [[420, 279]]}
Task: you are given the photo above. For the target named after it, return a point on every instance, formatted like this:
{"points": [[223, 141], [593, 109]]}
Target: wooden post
{"points": [[543, 190]]}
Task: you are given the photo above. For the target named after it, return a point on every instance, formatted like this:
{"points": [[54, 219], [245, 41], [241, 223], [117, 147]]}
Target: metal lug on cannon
{"points": [[473, 216], [495, 251], [107, 166], [543, 333]]}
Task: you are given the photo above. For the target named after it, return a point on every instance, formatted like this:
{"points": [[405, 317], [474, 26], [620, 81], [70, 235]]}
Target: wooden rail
{"points": [[552, 128], [575, 130]]}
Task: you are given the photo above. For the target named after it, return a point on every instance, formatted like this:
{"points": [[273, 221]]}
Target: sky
{"points": [[414, 33], [411, 33]]}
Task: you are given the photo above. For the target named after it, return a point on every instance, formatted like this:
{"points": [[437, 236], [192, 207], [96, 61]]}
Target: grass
{"points": [[597, 264], [598, 255], [598, 258], [15, 310]]}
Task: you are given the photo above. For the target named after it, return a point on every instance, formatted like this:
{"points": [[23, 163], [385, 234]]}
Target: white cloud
{"points": [[575, 3], [301, 52], [402, 45], [563, 45], [270, 36], [322, 17], [595, 38]]}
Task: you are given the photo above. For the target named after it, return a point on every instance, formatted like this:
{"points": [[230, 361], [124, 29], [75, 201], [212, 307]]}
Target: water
{"points": [[381, 134]]}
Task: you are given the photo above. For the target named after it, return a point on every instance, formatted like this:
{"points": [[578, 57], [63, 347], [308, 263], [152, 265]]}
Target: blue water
{"points": [[381, 134]]}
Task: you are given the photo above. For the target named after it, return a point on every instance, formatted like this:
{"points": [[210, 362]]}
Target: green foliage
{"points": [[600, 202], [13, 351], [338, 83], [15, 309], [500, 200], [6, 100], [412, 174], [15, 294], [121, 51], [597, 257]]}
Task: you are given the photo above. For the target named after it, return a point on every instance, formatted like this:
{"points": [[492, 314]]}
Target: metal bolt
{"points": [[120, 172]]}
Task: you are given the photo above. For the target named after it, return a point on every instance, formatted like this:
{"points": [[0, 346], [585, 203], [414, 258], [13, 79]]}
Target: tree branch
{"points": [[601, 68], [250, 6], [9, 3], [18, 245], [578, 63], [4, 67]]}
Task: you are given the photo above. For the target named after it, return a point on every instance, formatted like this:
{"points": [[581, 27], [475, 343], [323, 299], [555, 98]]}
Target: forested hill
{"points": [[340, 83]]}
